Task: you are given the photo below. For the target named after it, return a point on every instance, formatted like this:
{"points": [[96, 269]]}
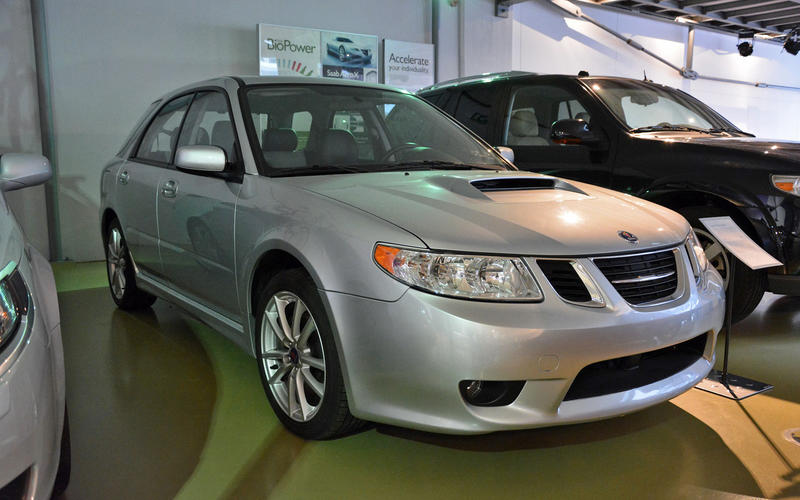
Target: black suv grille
{"points": [[641, 278], [564, 279]]}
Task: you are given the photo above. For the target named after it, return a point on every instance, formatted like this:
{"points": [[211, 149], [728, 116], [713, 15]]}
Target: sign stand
{"points": [[723, 383], [730, 236]]}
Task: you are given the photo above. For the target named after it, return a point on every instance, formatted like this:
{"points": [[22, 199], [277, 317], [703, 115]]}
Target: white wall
{"points": [[545, 40], [110, 58], [19, 113]]}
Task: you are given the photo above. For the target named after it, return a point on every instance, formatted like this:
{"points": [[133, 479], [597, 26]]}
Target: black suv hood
{"points": [[788, 151]]}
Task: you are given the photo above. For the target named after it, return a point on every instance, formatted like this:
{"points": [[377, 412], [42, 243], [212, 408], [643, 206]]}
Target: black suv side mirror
{"points": [[573, 132]]}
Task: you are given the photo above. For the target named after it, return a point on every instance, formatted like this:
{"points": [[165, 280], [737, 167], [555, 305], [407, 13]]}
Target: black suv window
{"points": [[534, 109], [158, 143], [209, 123], [474, 106]]}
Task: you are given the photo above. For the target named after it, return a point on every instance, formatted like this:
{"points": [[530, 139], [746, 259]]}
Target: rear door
{"points": [[527, 120], [138, 179], [196, 211]]}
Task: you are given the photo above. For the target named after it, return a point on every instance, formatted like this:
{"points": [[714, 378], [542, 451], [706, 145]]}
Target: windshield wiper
{"points": [[320, 170], [676, 128], [435, 165]]}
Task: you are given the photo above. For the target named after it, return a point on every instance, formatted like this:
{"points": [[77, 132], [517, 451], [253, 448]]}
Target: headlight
{"points": [[465, 276], [13, 304], [696, 253], [787, 183]]}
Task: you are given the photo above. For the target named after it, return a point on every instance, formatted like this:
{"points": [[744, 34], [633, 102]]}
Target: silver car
{"points": [[34, 432], [348, 52], [401, 271]]}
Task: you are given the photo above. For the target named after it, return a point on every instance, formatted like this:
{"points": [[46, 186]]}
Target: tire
{"points": [[342, 54], [64, 461], [119, 269], [750, 285], [316, 408]]}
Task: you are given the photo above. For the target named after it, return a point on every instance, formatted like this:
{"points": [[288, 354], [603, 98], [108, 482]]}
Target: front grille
{"points": [[565, 280], [624, 374], [641, 278]]}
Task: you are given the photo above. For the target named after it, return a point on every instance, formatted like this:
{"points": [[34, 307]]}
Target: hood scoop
{"points": [[499, 184]]}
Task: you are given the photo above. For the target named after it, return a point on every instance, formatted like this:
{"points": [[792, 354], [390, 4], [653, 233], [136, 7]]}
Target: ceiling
{"points": [[767, 18]]}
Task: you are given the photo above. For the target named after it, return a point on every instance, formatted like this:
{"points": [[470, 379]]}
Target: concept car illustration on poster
{"points": [[309, 52], [408, 65]]}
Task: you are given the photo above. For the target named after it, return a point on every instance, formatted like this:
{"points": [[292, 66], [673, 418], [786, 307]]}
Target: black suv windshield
{"points": [[318, 129], [644, 107]]}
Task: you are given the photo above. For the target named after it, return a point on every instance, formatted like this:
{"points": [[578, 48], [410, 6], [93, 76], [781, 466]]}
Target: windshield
{"points": [[312, 129], [644, 107]]}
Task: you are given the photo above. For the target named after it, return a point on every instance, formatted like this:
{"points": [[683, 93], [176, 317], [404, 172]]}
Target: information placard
{"points": [[408, 65], [738, 243]]}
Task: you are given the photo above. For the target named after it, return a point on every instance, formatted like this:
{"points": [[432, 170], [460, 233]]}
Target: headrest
{"points": [[279, 139], [222, 136], [523, 123], [338, 147]]}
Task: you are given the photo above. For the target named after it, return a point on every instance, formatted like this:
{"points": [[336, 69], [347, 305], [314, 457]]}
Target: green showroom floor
{"points": [[160, 407]]}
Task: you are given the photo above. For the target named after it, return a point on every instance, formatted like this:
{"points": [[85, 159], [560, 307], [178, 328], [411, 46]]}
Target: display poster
{"points": [[288, 51], [291, 51], [349, 56], [738, 243], [408, 65]]}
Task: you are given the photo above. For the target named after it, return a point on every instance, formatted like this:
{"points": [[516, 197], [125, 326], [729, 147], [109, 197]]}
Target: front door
{"points": [[196, 212]]}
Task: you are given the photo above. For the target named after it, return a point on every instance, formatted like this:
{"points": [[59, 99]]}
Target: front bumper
{"points": [[32, 391], [403, 360]]}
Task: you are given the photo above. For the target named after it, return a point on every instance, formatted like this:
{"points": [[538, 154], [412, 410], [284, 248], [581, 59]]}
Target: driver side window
{"points": [[534, 109]]}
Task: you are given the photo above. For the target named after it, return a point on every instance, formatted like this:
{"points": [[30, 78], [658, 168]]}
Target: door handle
{"points": [[123, 177], [169, 189]]}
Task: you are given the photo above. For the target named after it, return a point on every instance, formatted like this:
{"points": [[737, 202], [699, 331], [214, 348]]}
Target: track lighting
{"points": [[745, 43]]}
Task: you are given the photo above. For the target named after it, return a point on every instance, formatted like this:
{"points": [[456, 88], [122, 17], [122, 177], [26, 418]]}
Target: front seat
{"points": [[337, 147], [523, 129], [278, 145]]}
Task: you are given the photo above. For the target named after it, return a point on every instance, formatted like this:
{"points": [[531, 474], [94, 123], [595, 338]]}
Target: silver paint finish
{"points": [[200, 158], [330, 224], [18, 170], [32, 390]]}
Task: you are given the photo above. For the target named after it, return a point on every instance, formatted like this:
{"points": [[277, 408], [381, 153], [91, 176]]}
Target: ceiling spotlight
{"points": [[745, 43], [792, 43]]}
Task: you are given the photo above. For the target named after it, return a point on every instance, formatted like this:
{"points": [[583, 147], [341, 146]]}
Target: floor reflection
{"points": [[140, 392]]}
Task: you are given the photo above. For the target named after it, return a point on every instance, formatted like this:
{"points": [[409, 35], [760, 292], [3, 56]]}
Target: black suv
{"points": [[651, 141]]}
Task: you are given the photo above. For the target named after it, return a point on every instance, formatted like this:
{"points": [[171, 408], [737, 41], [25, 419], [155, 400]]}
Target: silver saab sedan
{"points": [[382, 264]]}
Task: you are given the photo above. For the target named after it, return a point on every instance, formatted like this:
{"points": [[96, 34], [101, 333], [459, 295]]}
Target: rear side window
{"points": [[136, 129], [158, 143], [209, 123], [474, 106]]}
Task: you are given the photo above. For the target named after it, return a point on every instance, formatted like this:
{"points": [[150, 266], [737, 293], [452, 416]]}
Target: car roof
{"points": [[520, 76], [277, 80]]}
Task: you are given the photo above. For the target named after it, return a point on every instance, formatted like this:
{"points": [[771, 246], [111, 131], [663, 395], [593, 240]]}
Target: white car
{"points": [[34, 433], [348, 52]]}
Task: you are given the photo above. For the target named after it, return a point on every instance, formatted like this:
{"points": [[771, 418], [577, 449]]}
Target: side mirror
{"points": [[506, 153], [201, 158], [19, 171], [573, 132]]}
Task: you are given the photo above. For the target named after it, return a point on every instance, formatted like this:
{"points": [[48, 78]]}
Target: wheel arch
{"points": [[742, 213]]}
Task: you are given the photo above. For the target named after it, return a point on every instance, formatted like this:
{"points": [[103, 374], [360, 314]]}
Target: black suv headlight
{"points": [[13, 305]]}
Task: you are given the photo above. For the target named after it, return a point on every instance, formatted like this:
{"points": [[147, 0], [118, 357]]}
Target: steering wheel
{"points": [[397, 149]]}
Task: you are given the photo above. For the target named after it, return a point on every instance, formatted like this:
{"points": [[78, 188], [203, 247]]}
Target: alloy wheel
{"points": [[292, 356], [715, 253], [117, 263]]}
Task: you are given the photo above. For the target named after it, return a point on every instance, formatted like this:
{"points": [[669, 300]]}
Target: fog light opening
{"points": [[490, 393]]}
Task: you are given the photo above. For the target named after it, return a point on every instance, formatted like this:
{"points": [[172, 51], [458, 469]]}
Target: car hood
{"points": [[504, 212], [777, 149]]}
